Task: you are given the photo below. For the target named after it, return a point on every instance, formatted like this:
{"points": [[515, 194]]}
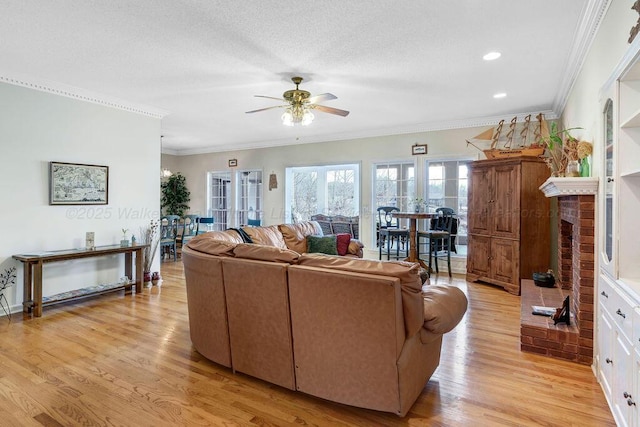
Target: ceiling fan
{"points": [[299, 104]]}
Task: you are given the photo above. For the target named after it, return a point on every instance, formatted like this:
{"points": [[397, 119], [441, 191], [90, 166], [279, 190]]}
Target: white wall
{"points": [[38, 127], [583, 108], [366, 152]]}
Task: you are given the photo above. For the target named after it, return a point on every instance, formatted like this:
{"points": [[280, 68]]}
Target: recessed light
{"points": [[500, 95], [491, 56]]}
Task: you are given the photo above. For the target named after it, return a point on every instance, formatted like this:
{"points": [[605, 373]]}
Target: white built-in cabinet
{"points": [[617, 357]]}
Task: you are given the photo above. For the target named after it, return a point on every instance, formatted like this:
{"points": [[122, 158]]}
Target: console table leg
{"points": [[128, 270], [37, 289], [139, 271], [27, 300]]}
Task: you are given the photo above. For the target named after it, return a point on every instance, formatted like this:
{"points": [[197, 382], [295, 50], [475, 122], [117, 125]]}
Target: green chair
{"points": [[205, 224], [168, 235], [189, 227]]}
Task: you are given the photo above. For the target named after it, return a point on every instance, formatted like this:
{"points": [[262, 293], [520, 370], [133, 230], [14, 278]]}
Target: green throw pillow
{"points": [[322, 244]]}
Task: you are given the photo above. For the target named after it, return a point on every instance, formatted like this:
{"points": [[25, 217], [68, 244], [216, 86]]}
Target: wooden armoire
{"points": [[509, 221]]}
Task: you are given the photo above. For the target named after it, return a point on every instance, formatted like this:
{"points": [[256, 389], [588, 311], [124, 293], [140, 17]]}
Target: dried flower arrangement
{"points": [[149, 236], [561, 153], [7, 279]]}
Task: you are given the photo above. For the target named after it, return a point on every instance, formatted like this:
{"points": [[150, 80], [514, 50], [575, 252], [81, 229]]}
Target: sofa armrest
{"points": [[355, 248], [444, 307]]}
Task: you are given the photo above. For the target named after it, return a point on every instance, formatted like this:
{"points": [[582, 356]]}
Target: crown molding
{"points": [[79, 94], [586, 31], [372, 133], [569, 186]]}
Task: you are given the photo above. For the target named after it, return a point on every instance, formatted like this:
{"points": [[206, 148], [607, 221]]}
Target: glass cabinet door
{"points": [[608, 255]]}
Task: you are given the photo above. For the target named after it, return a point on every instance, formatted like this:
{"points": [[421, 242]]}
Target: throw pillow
{"points": [[342, 243], [322, 244]]}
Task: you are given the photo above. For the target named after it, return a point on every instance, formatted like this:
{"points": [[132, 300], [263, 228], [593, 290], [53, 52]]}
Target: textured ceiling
{"points": [[397, 66]]}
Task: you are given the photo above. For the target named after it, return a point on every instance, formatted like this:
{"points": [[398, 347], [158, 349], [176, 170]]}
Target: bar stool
{"points": [[389, 231], [439, 237]]}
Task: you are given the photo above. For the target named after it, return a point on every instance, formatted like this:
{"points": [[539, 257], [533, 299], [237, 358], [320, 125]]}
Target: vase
{"points": [[147, 278], [156, 279], [585, 167], [573, 168]]}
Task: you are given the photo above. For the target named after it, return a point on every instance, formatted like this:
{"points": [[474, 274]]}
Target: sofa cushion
{"points": [[270, 236], [295, 235], [444, 307], [265, 253], [213, 243], [322, 244], [407, 272], [342, 243]]}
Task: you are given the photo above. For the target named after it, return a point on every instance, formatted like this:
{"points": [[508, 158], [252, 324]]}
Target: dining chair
{"points": [[254, 222], [204, 224], [168, 234], [189, 227], [389, 232], [439, 237]]}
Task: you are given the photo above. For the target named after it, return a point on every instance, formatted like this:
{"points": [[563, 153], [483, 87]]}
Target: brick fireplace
{"points": [[574, 277]]}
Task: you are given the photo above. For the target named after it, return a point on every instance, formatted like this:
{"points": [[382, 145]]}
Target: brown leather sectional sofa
{"points": [[354, 331]]}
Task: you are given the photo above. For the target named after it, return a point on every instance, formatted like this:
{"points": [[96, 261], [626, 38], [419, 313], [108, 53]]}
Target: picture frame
{"points": [[418, 149], [233, 163], [78, 184]]}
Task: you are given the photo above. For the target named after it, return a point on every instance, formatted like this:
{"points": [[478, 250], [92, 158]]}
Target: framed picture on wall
{"points": [[78, 184], [417, 149]]}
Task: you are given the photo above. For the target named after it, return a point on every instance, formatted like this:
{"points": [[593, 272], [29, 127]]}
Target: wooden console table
{"points": [[32, 264]]}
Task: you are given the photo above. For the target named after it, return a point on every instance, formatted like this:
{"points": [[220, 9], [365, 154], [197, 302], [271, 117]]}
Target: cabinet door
{"points": [[479, 253], [505, 262], [505, 202], [480, 194], [623, 381], [608, 244], [605, 351]]}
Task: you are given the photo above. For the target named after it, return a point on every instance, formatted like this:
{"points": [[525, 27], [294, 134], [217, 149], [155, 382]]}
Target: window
{"points": [[328, 190], [233, 208], [447, 183], [219, 198], [394, 184], [248, 196]]}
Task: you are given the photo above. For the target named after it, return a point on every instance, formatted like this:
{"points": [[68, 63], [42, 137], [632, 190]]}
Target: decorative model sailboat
{"points": [[536, 148]]}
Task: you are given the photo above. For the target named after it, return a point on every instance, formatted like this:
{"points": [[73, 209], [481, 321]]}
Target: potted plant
{"points": [[175, 195], [124, 242], [560, 154], [149, 235]]}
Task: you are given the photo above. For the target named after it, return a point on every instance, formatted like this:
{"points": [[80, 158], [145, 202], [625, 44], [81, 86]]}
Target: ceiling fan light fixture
{"points": [[307, 117], [299, 103], [287, 117], [297, 114]]}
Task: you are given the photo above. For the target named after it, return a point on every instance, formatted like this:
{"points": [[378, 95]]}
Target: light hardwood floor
{"points": [[128, 361]]}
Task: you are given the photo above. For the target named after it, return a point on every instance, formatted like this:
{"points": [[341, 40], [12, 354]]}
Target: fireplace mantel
{"points": [[557, 186]]}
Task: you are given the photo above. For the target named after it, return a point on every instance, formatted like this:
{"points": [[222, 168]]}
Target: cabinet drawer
{"points": [[605, 294], [622, 311]]}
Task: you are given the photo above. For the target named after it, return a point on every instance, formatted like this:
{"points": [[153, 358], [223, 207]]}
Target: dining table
{"points": [[413, 218]]}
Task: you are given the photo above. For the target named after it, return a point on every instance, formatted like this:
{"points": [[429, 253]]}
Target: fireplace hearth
{"points": [[575, 276]]}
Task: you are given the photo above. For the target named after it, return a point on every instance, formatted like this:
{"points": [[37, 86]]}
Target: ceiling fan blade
{"points": [[269, 97], [322, 97], [331, 110], [264, 109]]}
